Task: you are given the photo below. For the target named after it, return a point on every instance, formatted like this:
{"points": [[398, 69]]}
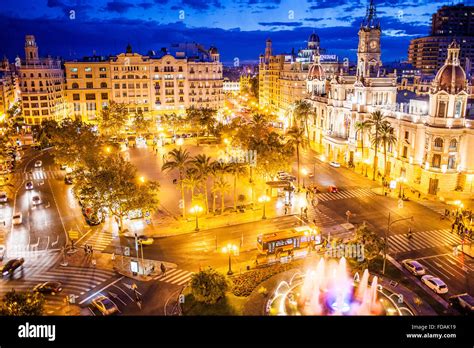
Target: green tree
{"points": [[373, 244], [237, 170], [141, 124], [222, 186], [375, 121], [112, 118], [296, 141], [388, 139], [301, 113], [113, 184], [180, 160], [361, 127], [208, 286], [26, 303], [203, 164]]}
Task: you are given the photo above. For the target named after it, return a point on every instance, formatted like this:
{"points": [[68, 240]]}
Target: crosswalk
{"points": [[41, 175], [175, 276], [319, 216], [99, 240], [437, 207], [346, 194], [421, 240]]}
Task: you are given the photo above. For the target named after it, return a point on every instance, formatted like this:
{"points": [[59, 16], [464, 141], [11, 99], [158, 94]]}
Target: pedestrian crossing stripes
{"points": [[175, 276], [75, 281], [427, 239], [320, 218], [324, 197], [99, 240], [42, 175], [434, 206]]}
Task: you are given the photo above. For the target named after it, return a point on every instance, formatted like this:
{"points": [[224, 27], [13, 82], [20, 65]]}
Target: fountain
{"points": [[328, 289]]}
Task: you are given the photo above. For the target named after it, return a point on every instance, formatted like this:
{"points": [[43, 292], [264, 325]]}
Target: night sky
{"points": [[238, 28]]}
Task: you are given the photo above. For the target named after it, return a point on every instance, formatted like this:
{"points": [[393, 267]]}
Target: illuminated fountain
{"points": [[330, 290]]}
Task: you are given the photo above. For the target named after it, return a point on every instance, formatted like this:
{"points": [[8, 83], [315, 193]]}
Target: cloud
{"points": [[118, 6], [202, 5], [280, 24]]}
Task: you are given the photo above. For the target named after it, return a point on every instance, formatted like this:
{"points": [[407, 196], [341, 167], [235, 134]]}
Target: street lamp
{"points": [[401, 180], [389, 224], [263, 199], [196, 209], [304, 172], [229, 249], [142, 179]]}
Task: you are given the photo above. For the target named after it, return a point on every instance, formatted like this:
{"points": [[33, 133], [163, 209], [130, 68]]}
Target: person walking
{"points": [[163, 269]]}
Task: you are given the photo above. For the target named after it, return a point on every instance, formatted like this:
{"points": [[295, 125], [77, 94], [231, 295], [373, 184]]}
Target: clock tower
{"points": [[369, 53]]}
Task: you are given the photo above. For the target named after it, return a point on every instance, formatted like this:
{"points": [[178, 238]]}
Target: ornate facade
{"points": [[434, 137]]}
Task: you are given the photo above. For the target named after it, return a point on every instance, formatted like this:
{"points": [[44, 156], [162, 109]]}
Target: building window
{"points": [[438, 144], [104, 96], [442, 109], [453, 145], [90, 107], [436, 162], [103, 76], [75, 86], [103, 85], [76, 97], [117, 86], [74, 76], [458, 108], [89, 85], [90, 96], [451, 162], [88, 76], [407, 135], [405, 152], [77, 107], [88, 69], [73, 69], [102, 69]]}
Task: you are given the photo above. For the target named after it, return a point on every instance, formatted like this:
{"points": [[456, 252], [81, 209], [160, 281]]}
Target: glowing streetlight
{"points": [[142, 179], [180, 141], [108, 149], [229, 249], [196, 210], [264, 199]]}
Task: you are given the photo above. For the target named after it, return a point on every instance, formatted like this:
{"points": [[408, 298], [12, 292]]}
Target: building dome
{"points": [[316, 72], [313, 38], [451, 77]]}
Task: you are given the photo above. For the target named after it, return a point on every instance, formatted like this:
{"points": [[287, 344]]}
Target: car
{"points": [[49, 287], [38, 164], [435, 284], [3, 250], [12, 265], [334, 164], [144, 240], [105, 305], [93, 219], [464, 302], [3, 197], [29, 185], [332, 189], [63, 166], [17, 218], [414, 267], [36, 200], [68, 179]]}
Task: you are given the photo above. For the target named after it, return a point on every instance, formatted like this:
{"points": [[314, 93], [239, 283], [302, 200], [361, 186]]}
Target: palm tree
{"points": [[222, 186], [237, 170], [388, 139], [203, 164], [191, 180], [297, 140], [360, 128], [301, 114], [178, 159], [375, 121]]}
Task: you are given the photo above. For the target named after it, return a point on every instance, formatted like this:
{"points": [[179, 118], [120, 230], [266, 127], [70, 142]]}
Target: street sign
{"points": [[126, 251], [134, 266], [73, 234]]}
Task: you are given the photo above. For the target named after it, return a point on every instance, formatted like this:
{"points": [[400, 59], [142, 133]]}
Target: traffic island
{"points": [[141, 269]]}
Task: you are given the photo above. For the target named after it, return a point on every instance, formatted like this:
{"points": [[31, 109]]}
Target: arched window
{"points": [[453, 144], [75, 85], [458, 108], [103, 85], [438, 143]]}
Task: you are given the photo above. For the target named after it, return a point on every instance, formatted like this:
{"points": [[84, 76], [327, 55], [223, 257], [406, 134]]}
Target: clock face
{"points": [[373, 45]]}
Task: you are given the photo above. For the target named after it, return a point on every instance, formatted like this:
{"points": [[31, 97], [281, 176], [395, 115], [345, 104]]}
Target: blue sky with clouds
{"points": [[238, 28]]}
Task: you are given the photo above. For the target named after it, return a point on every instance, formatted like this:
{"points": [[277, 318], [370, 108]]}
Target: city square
{"points": [[174, 183]]}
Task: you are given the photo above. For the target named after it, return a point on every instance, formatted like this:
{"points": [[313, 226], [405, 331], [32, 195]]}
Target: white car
{"points": [[17, 219], [334, 164], [36, 200], [3, 197], [435, 284], [38, 164], [414, 267]]}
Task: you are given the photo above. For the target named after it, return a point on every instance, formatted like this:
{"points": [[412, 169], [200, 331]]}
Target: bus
{"points": [[297, 238]]}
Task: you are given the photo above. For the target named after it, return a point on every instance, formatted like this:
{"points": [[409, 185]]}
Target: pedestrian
{"points": [[91, 250], [163, 269], [286, 209], [452, 227], [85, 249], [419, 195]]}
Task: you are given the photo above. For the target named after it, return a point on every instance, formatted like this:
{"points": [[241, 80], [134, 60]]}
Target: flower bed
{"points": [[244, 284]]}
